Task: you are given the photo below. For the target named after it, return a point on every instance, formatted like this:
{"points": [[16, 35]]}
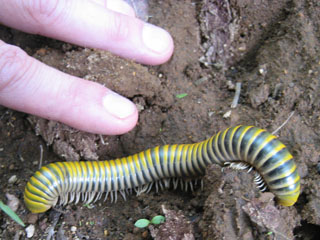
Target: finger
{"points": [[30, 86], [87, 23]]}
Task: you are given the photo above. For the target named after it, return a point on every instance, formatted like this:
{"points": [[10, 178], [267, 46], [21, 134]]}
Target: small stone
{"points": [[30, 231], [201, 80], [263, 69], [259, 95], [32, 218], [242, 47], [227, 114], [13, 202], [145, 234], [12, 179], [139, 107], [230, 85], [210, 114], [73, 229], [41, 51]]}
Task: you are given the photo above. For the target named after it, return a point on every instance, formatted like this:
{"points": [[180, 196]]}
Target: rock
{"points": [[73, 229], [12, 179], [13, 202], [32, 218], [259, 95], [30, 231]]}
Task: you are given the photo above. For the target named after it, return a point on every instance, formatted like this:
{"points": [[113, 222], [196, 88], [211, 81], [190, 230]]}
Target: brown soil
{"points": [[271, 47]]}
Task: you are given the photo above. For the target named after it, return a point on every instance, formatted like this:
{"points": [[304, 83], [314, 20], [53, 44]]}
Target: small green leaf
{"points": [[181, 95], [142, 223], [88, 205], [11, 213], [158, 219], [269, 233]]}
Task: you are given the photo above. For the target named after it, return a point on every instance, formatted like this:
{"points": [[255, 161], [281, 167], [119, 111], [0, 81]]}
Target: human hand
{"points": [[30, 86]]}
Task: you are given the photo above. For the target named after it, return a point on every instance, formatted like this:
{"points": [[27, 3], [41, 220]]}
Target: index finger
{"points": [[89, 24]]}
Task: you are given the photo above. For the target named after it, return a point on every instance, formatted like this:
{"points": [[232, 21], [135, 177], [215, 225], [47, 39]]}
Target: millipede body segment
{"points": [[246, 145]]}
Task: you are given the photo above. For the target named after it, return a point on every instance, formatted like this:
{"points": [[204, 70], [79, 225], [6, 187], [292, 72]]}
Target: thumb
{"points": [[30, 86]]}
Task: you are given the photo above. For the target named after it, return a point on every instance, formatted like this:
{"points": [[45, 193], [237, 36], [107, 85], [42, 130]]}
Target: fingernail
{"points": [[118, 106], [155, 38]]}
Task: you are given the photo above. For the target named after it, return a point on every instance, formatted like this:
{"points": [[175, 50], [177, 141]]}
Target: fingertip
{"points": [[156, 39], [117, 105], [99, 110], [122, 112], [159, 44], [125, 125]]}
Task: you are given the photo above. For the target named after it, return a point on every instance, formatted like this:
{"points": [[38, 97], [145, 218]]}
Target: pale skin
{"points": [[30, 86]]}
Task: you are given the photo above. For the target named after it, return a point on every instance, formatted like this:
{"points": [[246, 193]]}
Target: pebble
{"points": [[201, 80], [139, 107], [227, 114], [145, 234], [73, 229], [12, 179], [13, 202], [230, 85], [30, 231], [32, 218], [210, 114], [242, 47]]}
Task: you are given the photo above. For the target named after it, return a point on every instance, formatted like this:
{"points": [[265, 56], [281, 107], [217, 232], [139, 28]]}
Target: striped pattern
{"points": [[241, 144]]}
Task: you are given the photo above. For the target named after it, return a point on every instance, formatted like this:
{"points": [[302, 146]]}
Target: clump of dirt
{"points": [[233, 212], [270, 47]]}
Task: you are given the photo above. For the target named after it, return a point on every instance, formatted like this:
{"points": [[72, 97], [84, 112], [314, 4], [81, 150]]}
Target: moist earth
{"points": [[270, 47]]}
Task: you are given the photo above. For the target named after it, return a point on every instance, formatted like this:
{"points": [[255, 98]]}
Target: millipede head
{"points": [[36, 207], [288, 200]]}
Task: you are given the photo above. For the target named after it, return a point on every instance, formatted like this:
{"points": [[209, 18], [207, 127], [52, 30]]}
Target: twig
{"points": [[102, 140], [19, 153], [41, 156], [284, 123], [236, 95], [50, 230], [162, 139]]}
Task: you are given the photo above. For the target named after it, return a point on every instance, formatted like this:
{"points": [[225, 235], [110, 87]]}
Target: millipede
{"points": [[239, 147]]}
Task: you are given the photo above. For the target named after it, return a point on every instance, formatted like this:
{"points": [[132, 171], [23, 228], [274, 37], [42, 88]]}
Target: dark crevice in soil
{"points": [[307, 231]]}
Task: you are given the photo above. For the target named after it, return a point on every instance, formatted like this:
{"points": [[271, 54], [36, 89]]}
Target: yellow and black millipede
{"points": [[240, 147]]}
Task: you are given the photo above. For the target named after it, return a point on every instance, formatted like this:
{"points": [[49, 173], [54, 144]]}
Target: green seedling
{"points": [[11, 214], [182, 95], [143, 223], [88, 205]]}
